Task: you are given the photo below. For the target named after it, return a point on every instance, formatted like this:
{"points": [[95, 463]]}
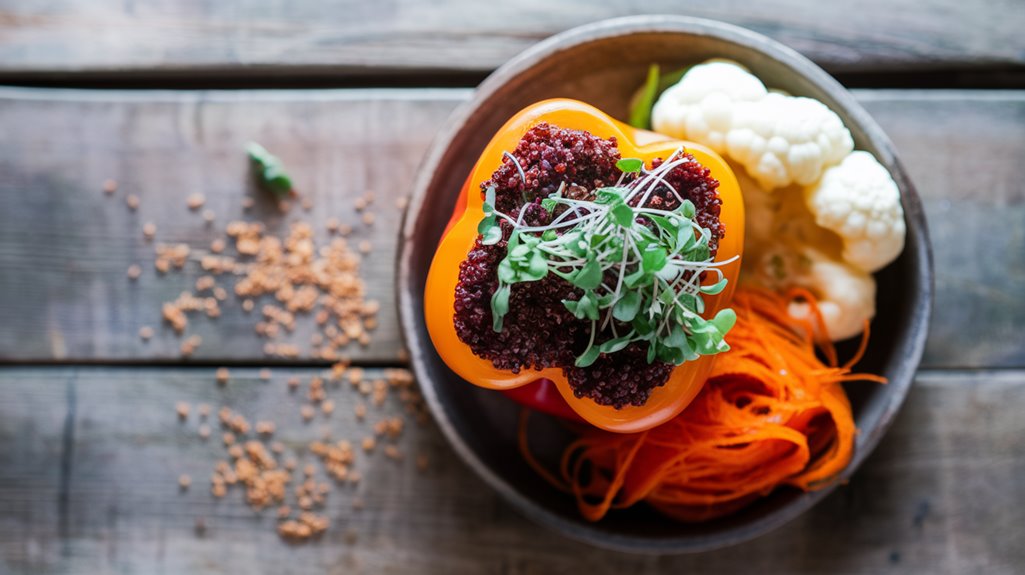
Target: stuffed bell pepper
{"points": [[591, 261]]}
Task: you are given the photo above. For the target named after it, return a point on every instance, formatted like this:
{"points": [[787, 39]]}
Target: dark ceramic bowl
{"points": [[603, 64]]}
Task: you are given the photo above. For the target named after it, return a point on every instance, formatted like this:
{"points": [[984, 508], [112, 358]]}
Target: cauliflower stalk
{"points": [[846, 295], [859, 200], [784, 247]]}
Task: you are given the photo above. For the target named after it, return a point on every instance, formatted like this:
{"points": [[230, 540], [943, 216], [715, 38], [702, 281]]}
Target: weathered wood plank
{"points": [[350, 37], [937, 497], [64, 246]]}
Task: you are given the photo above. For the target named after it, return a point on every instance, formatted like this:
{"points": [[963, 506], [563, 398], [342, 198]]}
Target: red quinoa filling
{"points": [[539, 332]]}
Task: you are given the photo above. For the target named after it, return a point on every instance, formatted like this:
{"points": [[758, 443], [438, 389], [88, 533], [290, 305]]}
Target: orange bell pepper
{"points": [[439, 296]]}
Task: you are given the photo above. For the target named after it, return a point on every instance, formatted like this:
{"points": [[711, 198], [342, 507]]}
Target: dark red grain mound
{"points": [[539, 331]]}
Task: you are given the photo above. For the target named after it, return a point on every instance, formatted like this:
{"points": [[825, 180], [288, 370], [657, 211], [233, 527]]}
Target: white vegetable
{"points": [[700, 106], [783, 140], [859, 200], [846, 295]]}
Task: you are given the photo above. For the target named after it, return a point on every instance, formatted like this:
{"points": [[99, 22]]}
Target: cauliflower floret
{"points": [[859, 200], [700, 106], [846, 295], [783, 140]]}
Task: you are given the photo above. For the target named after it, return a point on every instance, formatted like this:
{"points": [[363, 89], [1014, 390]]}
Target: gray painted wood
{"points": [[89, 459], [64, 246], [349, 37]]}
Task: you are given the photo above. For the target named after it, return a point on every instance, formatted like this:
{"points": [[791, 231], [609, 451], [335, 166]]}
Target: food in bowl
{"points": [[603, 261]]}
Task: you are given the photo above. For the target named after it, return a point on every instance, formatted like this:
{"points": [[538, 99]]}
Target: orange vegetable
{"points": [[439, 296], [771, 414]]}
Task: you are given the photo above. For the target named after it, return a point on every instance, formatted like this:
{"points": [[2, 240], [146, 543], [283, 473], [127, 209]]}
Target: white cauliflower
{"points": [[700, 106], [859, 200], [782, 140], [846, 295]]}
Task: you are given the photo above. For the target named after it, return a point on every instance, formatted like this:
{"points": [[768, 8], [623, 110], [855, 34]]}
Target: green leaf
{"points": [[677, 338], [589, 276], [640, 111], [485, 224], [549, 205], [499, 306], [492, 236], [653, 259], [637, 279], [670, 355], [725, 320], [489, 196], [537, 267], [622, 214], [685, 239], [514, 240], [549, 235], [715, 288], [589, 305], [270, 171], [507, 274], [585, 307], [606, 196], [519, 253], [589, 356], [614, 345], [630, 165], [665, 224], [687, 209], [627, 307], [652, 351]]}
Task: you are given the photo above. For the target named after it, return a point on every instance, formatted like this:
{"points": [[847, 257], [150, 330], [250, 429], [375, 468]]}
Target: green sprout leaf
{"points": [[623, 215], [589, 356], [715, 288], [589, 276], [499, 306], [627, 307], [270, 171], [630, 165]]}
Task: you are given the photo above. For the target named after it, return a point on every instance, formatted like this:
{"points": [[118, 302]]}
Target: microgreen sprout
{"points": [[270, 172], [638, 269]]}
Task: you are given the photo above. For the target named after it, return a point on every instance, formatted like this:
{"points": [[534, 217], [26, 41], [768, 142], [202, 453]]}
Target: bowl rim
{"points": [[913, 346]]}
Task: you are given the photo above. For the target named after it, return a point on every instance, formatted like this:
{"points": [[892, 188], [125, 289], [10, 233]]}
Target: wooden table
{"points": [[162, 95]]}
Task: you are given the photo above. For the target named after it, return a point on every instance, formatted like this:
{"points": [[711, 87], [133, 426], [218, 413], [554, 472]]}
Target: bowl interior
{"points": [[603, 64]]}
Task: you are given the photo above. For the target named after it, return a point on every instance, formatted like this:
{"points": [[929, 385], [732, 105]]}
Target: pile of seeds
{"points": [[286, 277], [296, 275], [267, 472]]}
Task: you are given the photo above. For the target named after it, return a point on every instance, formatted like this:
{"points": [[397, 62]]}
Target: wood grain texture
{"points": [[344, 37], [89, 459], [64, 246]]}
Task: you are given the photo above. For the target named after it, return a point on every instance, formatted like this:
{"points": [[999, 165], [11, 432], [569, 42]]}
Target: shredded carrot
{"points": [[772, 413]]}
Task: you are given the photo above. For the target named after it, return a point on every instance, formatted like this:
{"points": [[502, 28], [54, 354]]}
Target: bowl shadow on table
{"points": [[605, 71]]}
